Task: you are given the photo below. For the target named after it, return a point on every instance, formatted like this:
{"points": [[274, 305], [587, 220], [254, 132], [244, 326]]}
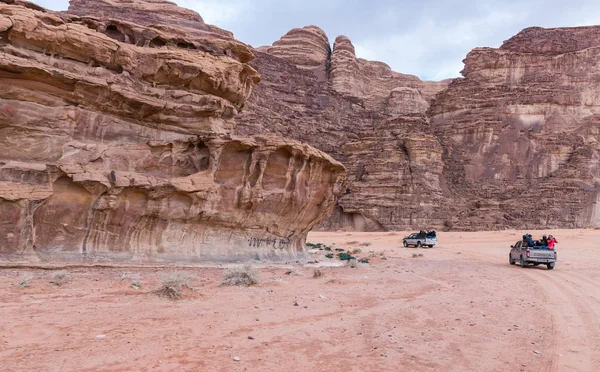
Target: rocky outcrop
{"points": [[366, 116], [513, 144], [374, 83], [521, 131], [117, 130], [307, 48]]}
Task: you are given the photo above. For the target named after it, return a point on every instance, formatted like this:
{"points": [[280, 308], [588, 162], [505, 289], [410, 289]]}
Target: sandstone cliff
{"points": [[512, 144], [362, 113], [521, 130], [118, 144]]}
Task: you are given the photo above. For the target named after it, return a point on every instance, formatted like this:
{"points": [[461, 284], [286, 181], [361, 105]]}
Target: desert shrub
{"points": [[60, 278], [329, 255], [353, 263], [327, 249], [311, 245], [339, 249], [367, 244], [356, 251], [352, 242], [172, 284], [136, 283], [416, 255], [345, 256], [241, 276], [317, 273], [135, 280], [364, 260], [25, 280], [294, 272]]}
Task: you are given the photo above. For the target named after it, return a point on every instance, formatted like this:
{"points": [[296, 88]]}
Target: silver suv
{"points": [[421, 239]]}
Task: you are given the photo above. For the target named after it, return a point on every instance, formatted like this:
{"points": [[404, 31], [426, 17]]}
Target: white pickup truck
{"points": [[526, 255]]}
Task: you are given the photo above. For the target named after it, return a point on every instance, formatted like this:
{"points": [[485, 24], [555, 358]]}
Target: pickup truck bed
{"points": [[532, 255]]}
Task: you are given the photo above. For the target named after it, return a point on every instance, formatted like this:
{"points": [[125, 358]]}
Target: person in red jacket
{"points": [[551, 242]]}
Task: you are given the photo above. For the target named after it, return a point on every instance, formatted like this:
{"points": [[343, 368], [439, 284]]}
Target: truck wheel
{"points": [[551, 265], [510, 259], [523, 262], [405, 244], [418, 244]]}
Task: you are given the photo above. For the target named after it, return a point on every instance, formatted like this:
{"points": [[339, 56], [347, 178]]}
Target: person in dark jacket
{"points": [[528, 240]]}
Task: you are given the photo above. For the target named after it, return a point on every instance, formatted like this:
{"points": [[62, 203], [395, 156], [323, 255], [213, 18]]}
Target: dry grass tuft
{"points": [[245, 276], [353, 242], [135, 280], [416, 255], [60, 278], [317, 273], [172, 285], [366, 244], [25, 280]]}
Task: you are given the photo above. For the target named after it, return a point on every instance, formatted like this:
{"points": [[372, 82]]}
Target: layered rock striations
{"points": [[118, 143], [521, 131], [513, 144], [366, 116]]}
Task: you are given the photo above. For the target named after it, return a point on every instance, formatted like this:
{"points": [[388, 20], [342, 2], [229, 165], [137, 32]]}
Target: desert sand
{"points": [[458, 307]]}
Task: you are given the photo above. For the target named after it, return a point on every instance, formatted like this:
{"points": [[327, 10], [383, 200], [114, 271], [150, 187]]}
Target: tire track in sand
{"points": [[575, 322]]}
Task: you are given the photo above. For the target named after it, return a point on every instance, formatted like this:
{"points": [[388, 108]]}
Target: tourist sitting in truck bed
{"points": [[528, 241]]}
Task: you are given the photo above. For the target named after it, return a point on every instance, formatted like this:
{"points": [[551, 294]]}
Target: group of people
{"points": [[427, 233], [547, 242]]}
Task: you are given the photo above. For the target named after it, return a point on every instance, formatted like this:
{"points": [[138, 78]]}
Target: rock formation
{"points": [[521, 131], [362, 113], [118, 144], [512, 144]]}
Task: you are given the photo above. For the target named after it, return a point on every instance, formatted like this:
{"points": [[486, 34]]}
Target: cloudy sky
{"points": [[427, 38]]}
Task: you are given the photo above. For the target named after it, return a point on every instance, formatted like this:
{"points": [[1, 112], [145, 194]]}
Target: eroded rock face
{"points": [[116, 129], [367, 117], [513, 144], [307, 48], [521, 131], [380, 88]]}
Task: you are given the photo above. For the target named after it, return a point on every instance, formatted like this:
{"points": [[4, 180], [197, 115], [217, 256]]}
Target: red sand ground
{"points": [[460, 307]]}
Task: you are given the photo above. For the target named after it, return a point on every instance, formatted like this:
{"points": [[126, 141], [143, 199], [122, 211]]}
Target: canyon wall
{"points": [[117, 133], [521, 131], [366, 116], [512, 144]]}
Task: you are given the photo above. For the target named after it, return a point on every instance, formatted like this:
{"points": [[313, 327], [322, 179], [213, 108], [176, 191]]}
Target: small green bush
{"points": [[345, 256], [329, 255], [364, 260]]}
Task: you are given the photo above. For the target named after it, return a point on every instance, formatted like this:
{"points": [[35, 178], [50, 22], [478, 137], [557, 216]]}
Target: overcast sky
{"points": [[427, 38]]}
